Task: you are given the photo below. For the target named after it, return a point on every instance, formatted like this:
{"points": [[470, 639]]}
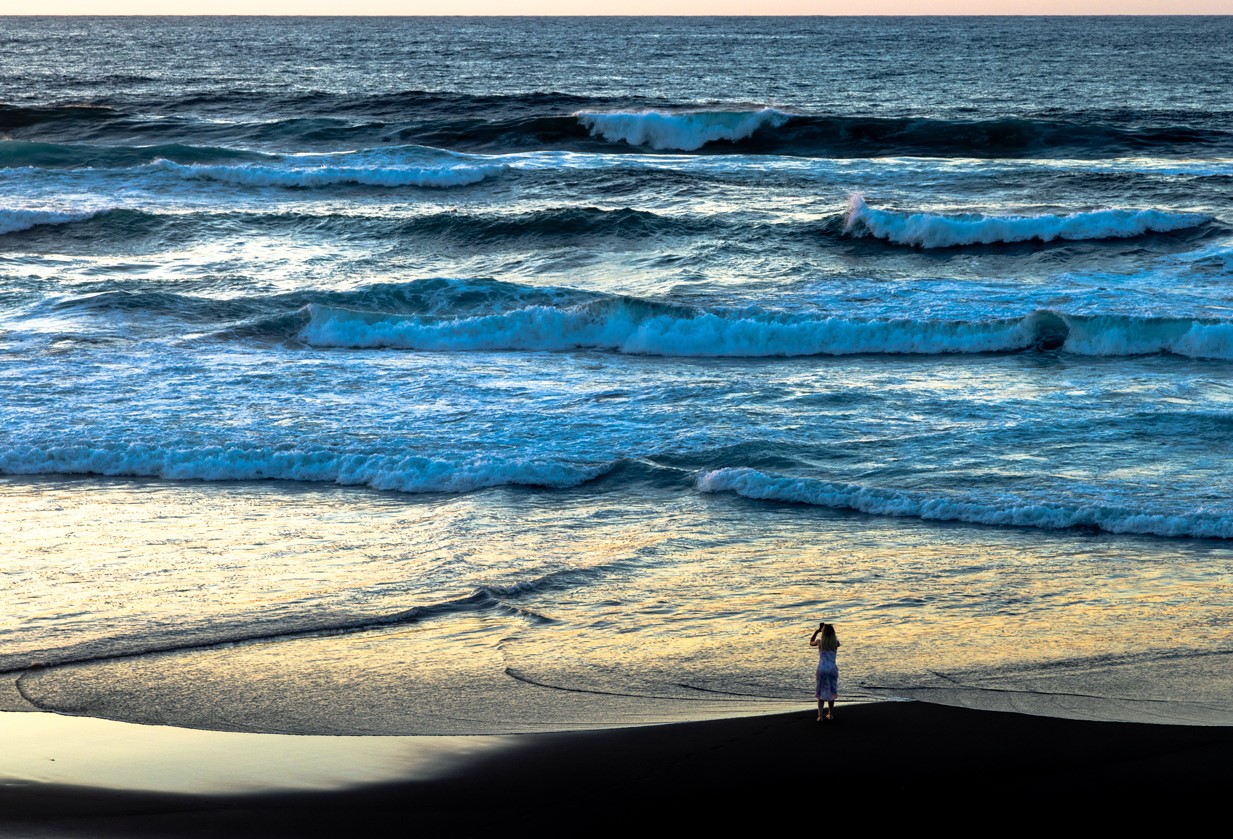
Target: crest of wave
{"points": [[14, 221], [999, 510], [940, 230], [331, 175], [688, 131]]}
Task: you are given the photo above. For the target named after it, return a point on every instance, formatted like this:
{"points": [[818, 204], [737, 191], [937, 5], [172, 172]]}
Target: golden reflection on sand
{"points": [[547, 611]]}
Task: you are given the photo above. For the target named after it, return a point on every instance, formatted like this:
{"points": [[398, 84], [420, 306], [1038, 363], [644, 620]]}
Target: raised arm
{"points": [[813, 641]]}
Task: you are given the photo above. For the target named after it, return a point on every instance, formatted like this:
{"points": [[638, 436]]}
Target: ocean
{"points": [[461, 376]]}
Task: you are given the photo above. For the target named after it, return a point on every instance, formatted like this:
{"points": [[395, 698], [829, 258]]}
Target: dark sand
{"points": [[876, 765]]}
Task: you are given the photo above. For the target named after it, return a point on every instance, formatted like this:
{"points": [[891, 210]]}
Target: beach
{"points": [[464, 422], [775, 770]]}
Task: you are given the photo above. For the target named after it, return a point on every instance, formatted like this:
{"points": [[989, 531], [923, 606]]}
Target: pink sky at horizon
{"points": [[628, 7]]}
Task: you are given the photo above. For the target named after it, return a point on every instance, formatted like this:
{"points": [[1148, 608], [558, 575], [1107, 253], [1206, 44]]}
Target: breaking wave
{"points": [[462, 315], [409, 473], [15, 221], [1002, 511], [630, 325], [687, 131], [932, 230]]}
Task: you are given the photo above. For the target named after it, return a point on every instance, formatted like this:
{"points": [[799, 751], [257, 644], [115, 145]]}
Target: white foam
{"points": [[411, 473], [330, 175], [686, 131], [13, 221], [1000, 510], [931, 230]]}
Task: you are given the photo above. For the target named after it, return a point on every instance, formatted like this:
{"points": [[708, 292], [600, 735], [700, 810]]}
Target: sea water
{"points": [[489, 375]]}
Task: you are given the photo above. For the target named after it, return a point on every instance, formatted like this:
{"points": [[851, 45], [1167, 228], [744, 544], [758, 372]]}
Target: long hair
{"points": [[829, 640]]}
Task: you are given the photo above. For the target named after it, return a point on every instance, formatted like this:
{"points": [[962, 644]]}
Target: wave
{"points": [[773, 131], [15, 221], [410, 473], [631, 325], [438, 296], [17, 116], [687, 131], [932, 230], [993, 138], [550, 225], [103, 227], [1002, 511], [17, 153], [460, 315], [462, 174], [550, 120], [555, 223]]}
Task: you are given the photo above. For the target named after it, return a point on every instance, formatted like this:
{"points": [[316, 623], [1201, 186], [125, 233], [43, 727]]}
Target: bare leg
{"points": [[830, 713], [820, 703]]}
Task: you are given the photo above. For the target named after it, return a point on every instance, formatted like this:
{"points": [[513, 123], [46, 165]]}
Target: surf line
{"points": [[480, 601]]}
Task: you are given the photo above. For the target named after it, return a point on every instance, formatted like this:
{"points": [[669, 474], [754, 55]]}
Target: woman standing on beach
{"points": [[828, 669]]}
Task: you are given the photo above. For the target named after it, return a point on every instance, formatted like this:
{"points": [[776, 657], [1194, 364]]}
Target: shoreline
{"points": [[899, 751]]}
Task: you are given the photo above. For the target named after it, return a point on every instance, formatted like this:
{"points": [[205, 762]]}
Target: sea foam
{"points": [[1002, 511], [934, 230], [686, 131]]}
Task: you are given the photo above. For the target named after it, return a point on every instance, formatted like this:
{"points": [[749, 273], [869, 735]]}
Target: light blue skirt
{"points": [[828, 684]]}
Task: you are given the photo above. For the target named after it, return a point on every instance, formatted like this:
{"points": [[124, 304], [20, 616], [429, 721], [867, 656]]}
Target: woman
{"points": [[828, 670]]}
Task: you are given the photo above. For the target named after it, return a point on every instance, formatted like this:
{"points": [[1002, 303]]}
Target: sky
{"points": [[632, 7]]}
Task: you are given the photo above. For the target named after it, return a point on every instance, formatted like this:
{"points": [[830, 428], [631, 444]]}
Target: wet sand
{"points": [[876, 764]]}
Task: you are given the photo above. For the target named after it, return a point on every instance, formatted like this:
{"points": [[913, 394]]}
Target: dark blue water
{"points": [[668, 317]]}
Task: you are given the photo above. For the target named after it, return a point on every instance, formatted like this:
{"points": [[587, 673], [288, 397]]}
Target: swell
{"points": [[550, 224], [991, 138], [17, 153], [1001, 511], [559, 225], [457, 315], [935, 230], [773, 131], [17, 221], [335, 174], [634, 326], [555, 120], [546, 227], [18, 116], [382, 167], [440, 296]]}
